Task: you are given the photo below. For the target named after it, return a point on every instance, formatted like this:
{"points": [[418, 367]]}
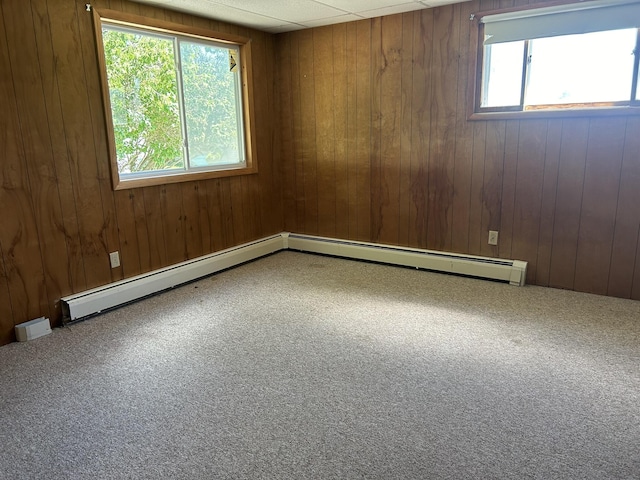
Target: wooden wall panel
{"points": [[573, 152], [442, 78], [340, 109], [547, 207], [6, 316], [363, 136], [325, 134], [492, 186], [599, 203], [40, 166], [308, 126], [406, 130], [476, 180], [528, 193], [463, 154], [559, 192], [64, 218], [363, 129], [81, 149], [625, 241], [387, 182], [421, 95], [288, 174], [23, 269], [70, 227]]}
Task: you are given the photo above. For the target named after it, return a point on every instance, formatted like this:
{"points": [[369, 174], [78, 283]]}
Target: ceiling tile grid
{"points": [[276, 16]]}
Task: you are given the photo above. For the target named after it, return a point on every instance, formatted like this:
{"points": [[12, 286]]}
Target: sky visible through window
{"points": [[570, 69]]}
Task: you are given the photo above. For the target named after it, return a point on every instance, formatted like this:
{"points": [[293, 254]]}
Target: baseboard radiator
{"points": [[512, 271], [91, 302], [94, 301]]}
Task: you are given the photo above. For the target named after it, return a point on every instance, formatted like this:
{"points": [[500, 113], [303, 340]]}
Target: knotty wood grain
{"points": [[37, 147]]}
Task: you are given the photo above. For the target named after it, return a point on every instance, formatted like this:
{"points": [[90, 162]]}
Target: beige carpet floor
{"points": [[307, 367]]}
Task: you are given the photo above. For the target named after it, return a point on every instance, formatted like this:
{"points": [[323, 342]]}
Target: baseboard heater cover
{"points": [[91, 302], [94, 301], [512, 271]]}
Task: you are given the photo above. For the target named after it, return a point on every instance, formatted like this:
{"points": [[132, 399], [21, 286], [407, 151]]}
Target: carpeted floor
{"points": [[306, 367]]}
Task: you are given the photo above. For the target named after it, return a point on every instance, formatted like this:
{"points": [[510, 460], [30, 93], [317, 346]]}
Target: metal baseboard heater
{"points": [[91, 302]]}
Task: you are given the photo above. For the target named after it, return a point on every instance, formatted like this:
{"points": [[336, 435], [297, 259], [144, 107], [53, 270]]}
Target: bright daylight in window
{"points": [[556, 58], [176, 103]]}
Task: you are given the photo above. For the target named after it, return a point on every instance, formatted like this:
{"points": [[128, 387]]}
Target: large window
{"points": [[177, 101], [573, 57]]}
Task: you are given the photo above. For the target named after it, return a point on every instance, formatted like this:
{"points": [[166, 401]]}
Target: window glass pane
{"points": [[212, 107], [593, 67], [502, 82], [143, 90]]}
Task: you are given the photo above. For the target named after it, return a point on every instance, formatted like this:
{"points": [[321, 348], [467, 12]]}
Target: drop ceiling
{"points": [[277, 16]]}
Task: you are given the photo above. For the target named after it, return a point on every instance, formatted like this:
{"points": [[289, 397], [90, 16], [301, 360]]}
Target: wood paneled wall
{"points": [[368, 122], [59, 216], [376, 146]]}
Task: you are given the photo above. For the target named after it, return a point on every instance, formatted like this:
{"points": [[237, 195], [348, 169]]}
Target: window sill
{"points": [[557, 113], [123, 184]]}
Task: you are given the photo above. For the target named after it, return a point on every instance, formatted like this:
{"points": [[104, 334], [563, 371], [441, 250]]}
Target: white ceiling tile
{"points": [[289, 27], [399, 8], [212, 9], [439, 3], [288, 10], [360, 5], [286, 15], [349, 17]]}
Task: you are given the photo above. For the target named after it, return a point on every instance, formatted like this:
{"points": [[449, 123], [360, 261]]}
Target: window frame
{"points": [[152, 25], [475, 81]]}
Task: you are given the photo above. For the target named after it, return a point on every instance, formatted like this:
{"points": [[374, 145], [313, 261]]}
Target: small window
{"points": [[570, 57], [176, 101]]}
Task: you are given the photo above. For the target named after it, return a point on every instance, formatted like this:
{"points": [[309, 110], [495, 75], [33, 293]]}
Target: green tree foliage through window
{"points": [[210, 104], [175, 103], [144, 101]]}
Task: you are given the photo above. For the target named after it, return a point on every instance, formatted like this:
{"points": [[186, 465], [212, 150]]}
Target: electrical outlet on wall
{"points": [[493, 237], [114, 258]]}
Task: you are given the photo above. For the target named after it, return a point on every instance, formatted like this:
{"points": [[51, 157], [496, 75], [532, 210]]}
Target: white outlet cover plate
{"points": [[114, 258]]}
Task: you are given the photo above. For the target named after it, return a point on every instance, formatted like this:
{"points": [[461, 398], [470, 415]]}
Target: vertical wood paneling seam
{"points": [[432, 105], [635, 263], [292, 163], [584, 173], [53, 163], [315, 129], [73, 186], [29, 189], [402, 56], [555, 199], [357, 145], [513, 211], [544, 169], [3, 267], [482, 195], [373, 235], [455, 147], [300, 144], [335, 146], [413, 35], [615, 214], [346, 152], [104, 235]]}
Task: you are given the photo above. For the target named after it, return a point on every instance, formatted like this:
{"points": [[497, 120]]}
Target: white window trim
{"points": [[543, 11]]}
